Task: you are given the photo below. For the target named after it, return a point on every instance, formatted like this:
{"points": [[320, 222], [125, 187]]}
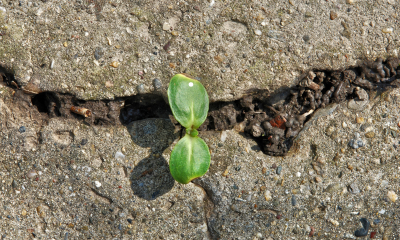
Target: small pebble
{"points": [[387, 30], [22, 129], [14, 184], [392, 196], [359, 119], [334, 222], [225, 173], [370, 134], [98, 53], [377, 161], [114, 64], [356, 143], [97, 184], [318, 179], [258, 32], [140, 88], [332, 188], [278, 170], [119, 156], [363, 231], [166, 26], [350, 1], [333, 15], [267, 195], [84, 141], [356, 135], [157, 84], [354, 188], [294, 201], [109, 84], [32, 173]]}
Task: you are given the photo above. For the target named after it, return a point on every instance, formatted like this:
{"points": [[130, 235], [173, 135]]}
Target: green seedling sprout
{"points": [[188, 100]]}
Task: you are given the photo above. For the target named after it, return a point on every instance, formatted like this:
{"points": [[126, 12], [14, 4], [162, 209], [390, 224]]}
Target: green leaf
{"points": [[190, 159], [188, 100]]}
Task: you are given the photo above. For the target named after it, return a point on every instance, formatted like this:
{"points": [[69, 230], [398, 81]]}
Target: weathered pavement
{"points": [[65, 179]]}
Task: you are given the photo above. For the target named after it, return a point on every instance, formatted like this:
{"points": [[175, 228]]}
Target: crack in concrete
{"points": [[274, 120]]}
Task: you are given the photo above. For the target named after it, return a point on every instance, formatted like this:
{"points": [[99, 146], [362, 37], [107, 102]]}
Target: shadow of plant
{"points": [[151, 178]]}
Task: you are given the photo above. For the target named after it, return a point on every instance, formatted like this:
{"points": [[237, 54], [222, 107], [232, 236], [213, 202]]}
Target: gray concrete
{"points": [[63, 46], [54, 185]]}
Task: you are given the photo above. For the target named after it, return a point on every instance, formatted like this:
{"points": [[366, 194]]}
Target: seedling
{"points": [[188, 100]]}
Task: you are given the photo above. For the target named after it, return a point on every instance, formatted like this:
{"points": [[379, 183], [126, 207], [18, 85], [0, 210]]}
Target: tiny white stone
{"points": [[263, 24], [190, 84], [39, 12], [119, 156], [298, 174], [166, 26], [387, 30], [344, 124], [334, 222], [212, 3], [377, 161], [3, 10], [259, 235], [257, 32], [97, 184], [223, 136], [86, 34], [267, 195], [392, 196], [129, 30], [382, 211]]}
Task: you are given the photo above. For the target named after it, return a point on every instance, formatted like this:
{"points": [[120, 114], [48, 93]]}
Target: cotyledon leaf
{"points": [[188, 100], [190, 159]]}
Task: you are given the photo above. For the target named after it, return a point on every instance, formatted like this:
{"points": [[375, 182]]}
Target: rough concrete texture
{"points": [[66, 179], [231, 46]]}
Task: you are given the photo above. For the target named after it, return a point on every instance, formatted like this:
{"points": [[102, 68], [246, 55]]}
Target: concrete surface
{"points": [[64, 179]]}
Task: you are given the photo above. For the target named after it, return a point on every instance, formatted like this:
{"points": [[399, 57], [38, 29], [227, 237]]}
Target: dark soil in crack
{"points": [[273, 125]]}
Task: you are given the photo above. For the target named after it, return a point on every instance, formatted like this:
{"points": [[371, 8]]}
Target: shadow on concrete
{"points": [[151, 178]]}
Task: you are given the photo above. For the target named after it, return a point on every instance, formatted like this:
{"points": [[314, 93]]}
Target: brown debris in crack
{"points": [[275, 127]]}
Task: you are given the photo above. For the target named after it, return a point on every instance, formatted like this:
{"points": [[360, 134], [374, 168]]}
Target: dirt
{"points": [[273, 126]]}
